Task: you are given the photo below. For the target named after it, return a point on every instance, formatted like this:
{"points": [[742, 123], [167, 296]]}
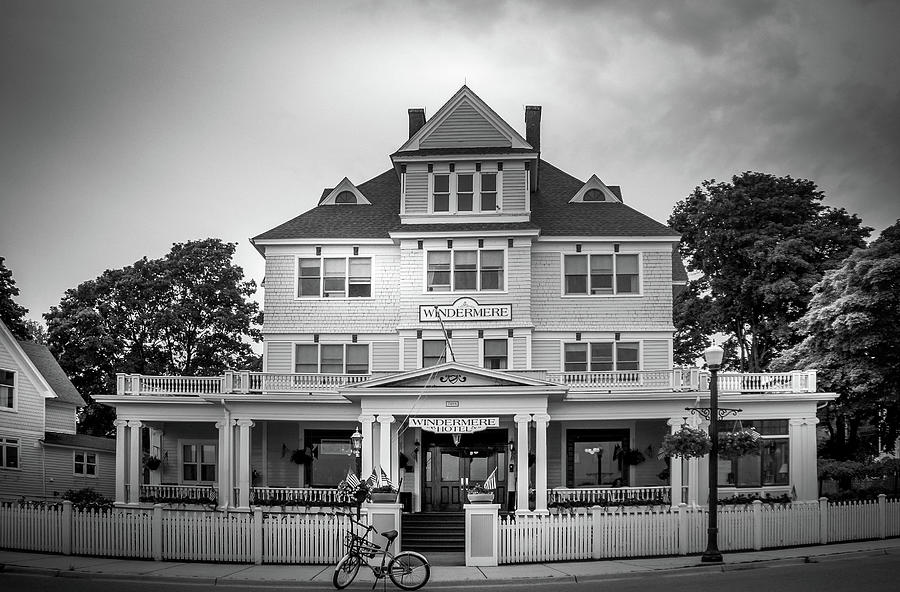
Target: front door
{"points": [[448, 467]]}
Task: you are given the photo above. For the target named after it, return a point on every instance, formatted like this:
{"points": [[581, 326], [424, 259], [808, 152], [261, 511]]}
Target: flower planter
{"points": [[481, 498], [384, 498]]}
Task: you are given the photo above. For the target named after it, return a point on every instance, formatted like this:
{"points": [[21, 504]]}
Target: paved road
{"points": [[869, 574]]}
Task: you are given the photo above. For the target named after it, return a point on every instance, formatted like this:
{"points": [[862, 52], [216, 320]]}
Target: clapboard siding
{"points": [[172, 432], [283, 438], [410, 354], [514, 188], [647, 436], [60, 417], [60, 463], [29, 403], [279, 356], [656, 354], [545, 355], [554, 455], [27, 479], [464, 126], [385, 356], [416, 189], [465, 351], [519, 353]]}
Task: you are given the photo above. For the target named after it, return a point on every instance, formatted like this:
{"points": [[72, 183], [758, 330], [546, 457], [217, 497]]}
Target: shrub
{"points": [[87, 498]]}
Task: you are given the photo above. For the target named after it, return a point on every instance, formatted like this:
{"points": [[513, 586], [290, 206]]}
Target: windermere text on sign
{"points": [[454, 425], [465, 309]]}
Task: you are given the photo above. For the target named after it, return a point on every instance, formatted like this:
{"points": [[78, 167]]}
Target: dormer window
{"points": [[441, 195], [345, 197], [464, 192], [594, 195]]}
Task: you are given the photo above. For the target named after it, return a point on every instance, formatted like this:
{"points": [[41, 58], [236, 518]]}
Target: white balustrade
{"points": [[604, 495], [175, 493], [305, 496], [261, 382]]}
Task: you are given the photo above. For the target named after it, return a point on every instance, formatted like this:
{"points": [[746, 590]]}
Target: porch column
{"points": [[384, 433], [675, 466], [695, 468], [134, 462], [155, 450], [121, 475], [522, 462], [243, 462], [368, 446], [540, 468], [224, 481], [802, 458]]}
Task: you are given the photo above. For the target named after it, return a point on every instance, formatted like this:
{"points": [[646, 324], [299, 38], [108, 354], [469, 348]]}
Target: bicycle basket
{"points": [[361, 545]]}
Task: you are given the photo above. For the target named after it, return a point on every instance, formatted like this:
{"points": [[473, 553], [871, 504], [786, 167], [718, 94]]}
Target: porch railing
{"points": [[797, 381], [674, 379], [607, 495], [306, 496], [175, 493]]}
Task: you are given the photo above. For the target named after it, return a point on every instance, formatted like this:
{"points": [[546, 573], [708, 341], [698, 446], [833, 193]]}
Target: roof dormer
{"points": [[345, 193], [595, 191]]}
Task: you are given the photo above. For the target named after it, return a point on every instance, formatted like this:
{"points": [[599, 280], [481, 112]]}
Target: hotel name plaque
{"points": [[454, 425], [465, 309]]}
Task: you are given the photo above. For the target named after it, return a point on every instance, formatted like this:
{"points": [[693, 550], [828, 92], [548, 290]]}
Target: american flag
{"points": [[352, 480], [491, 482], [372, 481], [385, 480]]}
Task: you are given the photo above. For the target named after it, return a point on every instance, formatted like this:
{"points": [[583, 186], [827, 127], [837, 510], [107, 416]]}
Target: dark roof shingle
{"points": [[80, 441], [50, 369]]}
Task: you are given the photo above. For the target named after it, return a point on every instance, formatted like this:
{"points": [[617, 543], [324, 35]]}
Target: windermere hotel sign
{"points": [[454, 425], [465, 309]]}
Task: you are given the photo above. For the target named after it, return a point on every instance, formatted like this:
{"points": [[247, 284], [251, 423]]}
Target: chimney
{"points": [[533, 137], [416, 120]]}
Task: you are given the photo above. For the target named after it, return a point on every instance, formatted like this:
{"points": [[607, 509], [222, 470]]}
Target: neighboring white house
{"points": [[41, 456], [556, 297]]}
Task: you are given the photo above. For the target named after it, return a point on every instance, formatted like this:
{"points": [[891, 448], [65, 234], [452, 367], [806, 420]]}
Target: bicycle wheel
{"points": [[409, 570], [345, 571]]}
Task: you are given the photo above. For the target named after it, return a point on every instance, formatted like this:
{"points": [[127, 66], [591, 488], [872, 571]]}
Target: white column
{"points": [[367, 446], [697, 470], [675, 466], [134, 462], [156, 450], [121, 475], [384, 449], [522, 421], [224, 484], [540, 467], [243, 462], [802, 458]]}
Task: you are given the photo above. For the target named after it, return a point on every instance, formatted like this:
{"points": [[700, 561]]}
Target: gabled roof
{"points": [[329, 197], [595, 183], [52, 372], [448, 374]]}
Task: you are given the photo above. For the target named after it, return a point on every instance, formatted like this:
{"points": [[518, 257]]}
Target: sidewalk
{"points": [[318, 576]]}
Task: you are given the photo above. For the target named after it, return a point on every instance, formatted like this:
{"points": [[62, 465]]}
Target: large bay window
{"points": [[334, 277], [461, 270], [7, 389], [464, 192], [337, 358], [769, 467], [601, 356], [602, 274]]}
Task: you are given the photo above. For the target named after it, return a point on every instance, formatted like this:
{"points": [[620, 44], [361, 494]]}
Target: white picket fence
{"points": [[607, 533]]}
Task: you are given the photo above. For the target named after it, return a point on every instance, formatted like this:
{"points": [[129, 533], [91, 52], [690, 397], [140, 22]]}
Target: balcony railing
{"points": [[611, 495], [203, 494], [672, 380]]}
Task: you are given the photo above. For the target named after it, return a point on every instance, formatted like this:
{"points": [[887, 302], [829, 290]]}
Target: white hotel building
{"points": [[556, 298]]}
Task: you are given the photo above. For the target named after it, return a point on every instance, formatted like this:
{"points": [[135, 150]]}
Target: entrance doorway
{"points": [[448, 466]]}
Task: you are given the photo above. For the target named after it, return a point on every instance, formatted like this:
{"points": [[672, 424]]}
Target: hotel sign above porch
{"points": [[454, 425], [465, 309]]}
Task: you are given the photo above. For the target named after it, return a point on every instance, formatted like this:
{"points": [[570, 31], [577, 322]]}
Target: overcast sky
{"points": [[127, 126]]}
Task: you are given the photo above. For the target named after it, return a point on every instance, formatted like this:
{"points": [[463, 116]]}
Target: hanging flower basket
{"points": [[302, 457], [738, 443], [632, 457], [687, 442], [152, 462]]}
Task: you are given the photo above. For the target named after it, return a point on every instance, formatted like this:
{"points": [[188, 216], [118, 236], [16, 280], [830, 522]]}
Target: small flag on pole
{"points": [[372, 481], [352, 480], [491, 482], [385, 480]]}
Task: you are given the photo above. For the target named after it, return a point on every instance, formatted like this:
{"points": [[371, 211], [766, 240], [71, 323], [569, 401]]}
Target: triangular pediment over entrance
{"points": [[451, 375]]}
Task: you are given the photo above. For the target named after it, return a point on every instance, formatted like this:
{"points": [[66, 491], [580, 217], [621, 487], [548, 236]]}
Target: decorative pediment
{"points": [[450, 375], [465, 121], [345, 193], [595, 191]]}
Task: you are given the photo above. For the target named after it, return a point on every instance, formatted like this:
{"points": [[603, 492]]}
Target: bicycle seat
{"points": [[390, 535]]}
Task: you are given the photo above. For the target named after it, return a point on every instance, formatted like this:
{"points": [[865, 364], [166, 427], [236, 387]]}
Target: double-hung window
{"points": [[601, 356], [332, 358], [496, 355], [602, 274], [441, 193], [85, 463], [7, 389], [769, 467], [461, 270], [464, 192], [9, 453], [488, 192], [434, 352], [198, 462], [334, 277]]}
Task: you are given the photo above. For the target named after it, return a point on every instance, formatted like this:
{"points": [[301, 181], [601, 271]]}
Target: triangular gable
{"points": [[465, 121], [595, 183], [330, 198], [25, 364], [448, 375]]}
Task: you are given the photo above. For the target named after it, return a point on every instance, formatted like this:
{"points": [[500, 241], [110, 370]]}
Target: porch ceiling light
{"points": [[356, 442], [713, 356]]}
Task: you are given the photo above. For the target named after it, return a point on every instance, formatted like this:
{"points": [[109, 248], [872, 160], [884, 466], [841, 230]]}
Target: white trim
{"points": [[466, 233], [562, 271], [15, 392], [496, 157], [342, 341], [595, 183], [321, 295], [41, 385], [96, 463], [608, 239], [323, 241], [199, 442], [18, 446], [472, 293], [344, 185], [615, 351]]}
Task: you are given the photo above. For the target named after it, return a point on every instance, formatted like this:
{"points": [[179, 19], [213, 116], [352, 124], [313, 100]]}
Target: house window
{"points": [[85, 463], [7, 389], [433, 352], [594, 195], [332, 454], [488, 192], [9, 453], [198, 463], [495, 354], [465, 189], [345, 197], [465, 270], [601, 356], [770, 467], [594, 458], [464, 192], [602, 274], [441, 193], [334, 277], [337, 358]]}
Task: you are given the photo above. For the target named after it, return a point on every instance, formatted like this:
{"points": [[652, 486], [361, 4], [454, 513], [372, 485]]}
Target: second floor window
{"points": [[602, 274], [433, 352], [328, 358], [7, 389], [601, 356], [465, 270], [334, 277], [496, 356], [464, 192]]}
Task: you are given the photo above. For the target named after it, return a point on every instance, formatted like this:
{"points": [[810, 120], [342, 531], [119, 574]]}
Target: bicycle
{"points": [[408, 570]]}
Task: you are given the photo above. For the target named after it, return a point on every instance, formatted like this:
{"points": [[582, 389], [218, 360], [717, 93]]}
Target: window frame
{"points": [[588, 346], [84, 462], [13, 389], [483, 352], [478, 270], [443, 357], [344, 348], [321, 277], [764, 439], [476, 193], [7, 442], [199, 443], [615, 275]]}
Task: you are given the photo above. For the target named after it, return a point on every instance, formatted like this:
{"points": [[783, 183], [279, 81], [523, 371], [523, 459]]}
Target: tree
{"points": [[761, 243], [849, 335], [187, 313], [12, 314]]}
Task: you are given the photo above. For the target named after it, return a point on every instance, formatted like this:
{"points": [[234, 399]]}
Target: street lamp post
{"points": [[713, 357]]}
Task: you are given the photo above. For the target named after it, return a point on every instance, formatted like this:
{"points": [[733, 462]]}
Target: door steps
{"points": [[436, 532]]}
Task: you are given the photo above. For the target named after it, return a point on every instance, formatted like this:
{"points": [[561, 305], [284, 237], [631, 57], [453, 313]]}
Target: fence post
{"points": [[757, 525], [257, 535], [596, 533], [156, 534], [67, 528], [683, 529], [823, 520], [882, 516]]}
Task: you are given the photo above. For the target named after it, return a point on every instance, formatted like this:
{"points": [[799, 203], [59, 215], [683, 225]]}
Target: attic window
{"points": [[345, 197], [594, 195]]}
